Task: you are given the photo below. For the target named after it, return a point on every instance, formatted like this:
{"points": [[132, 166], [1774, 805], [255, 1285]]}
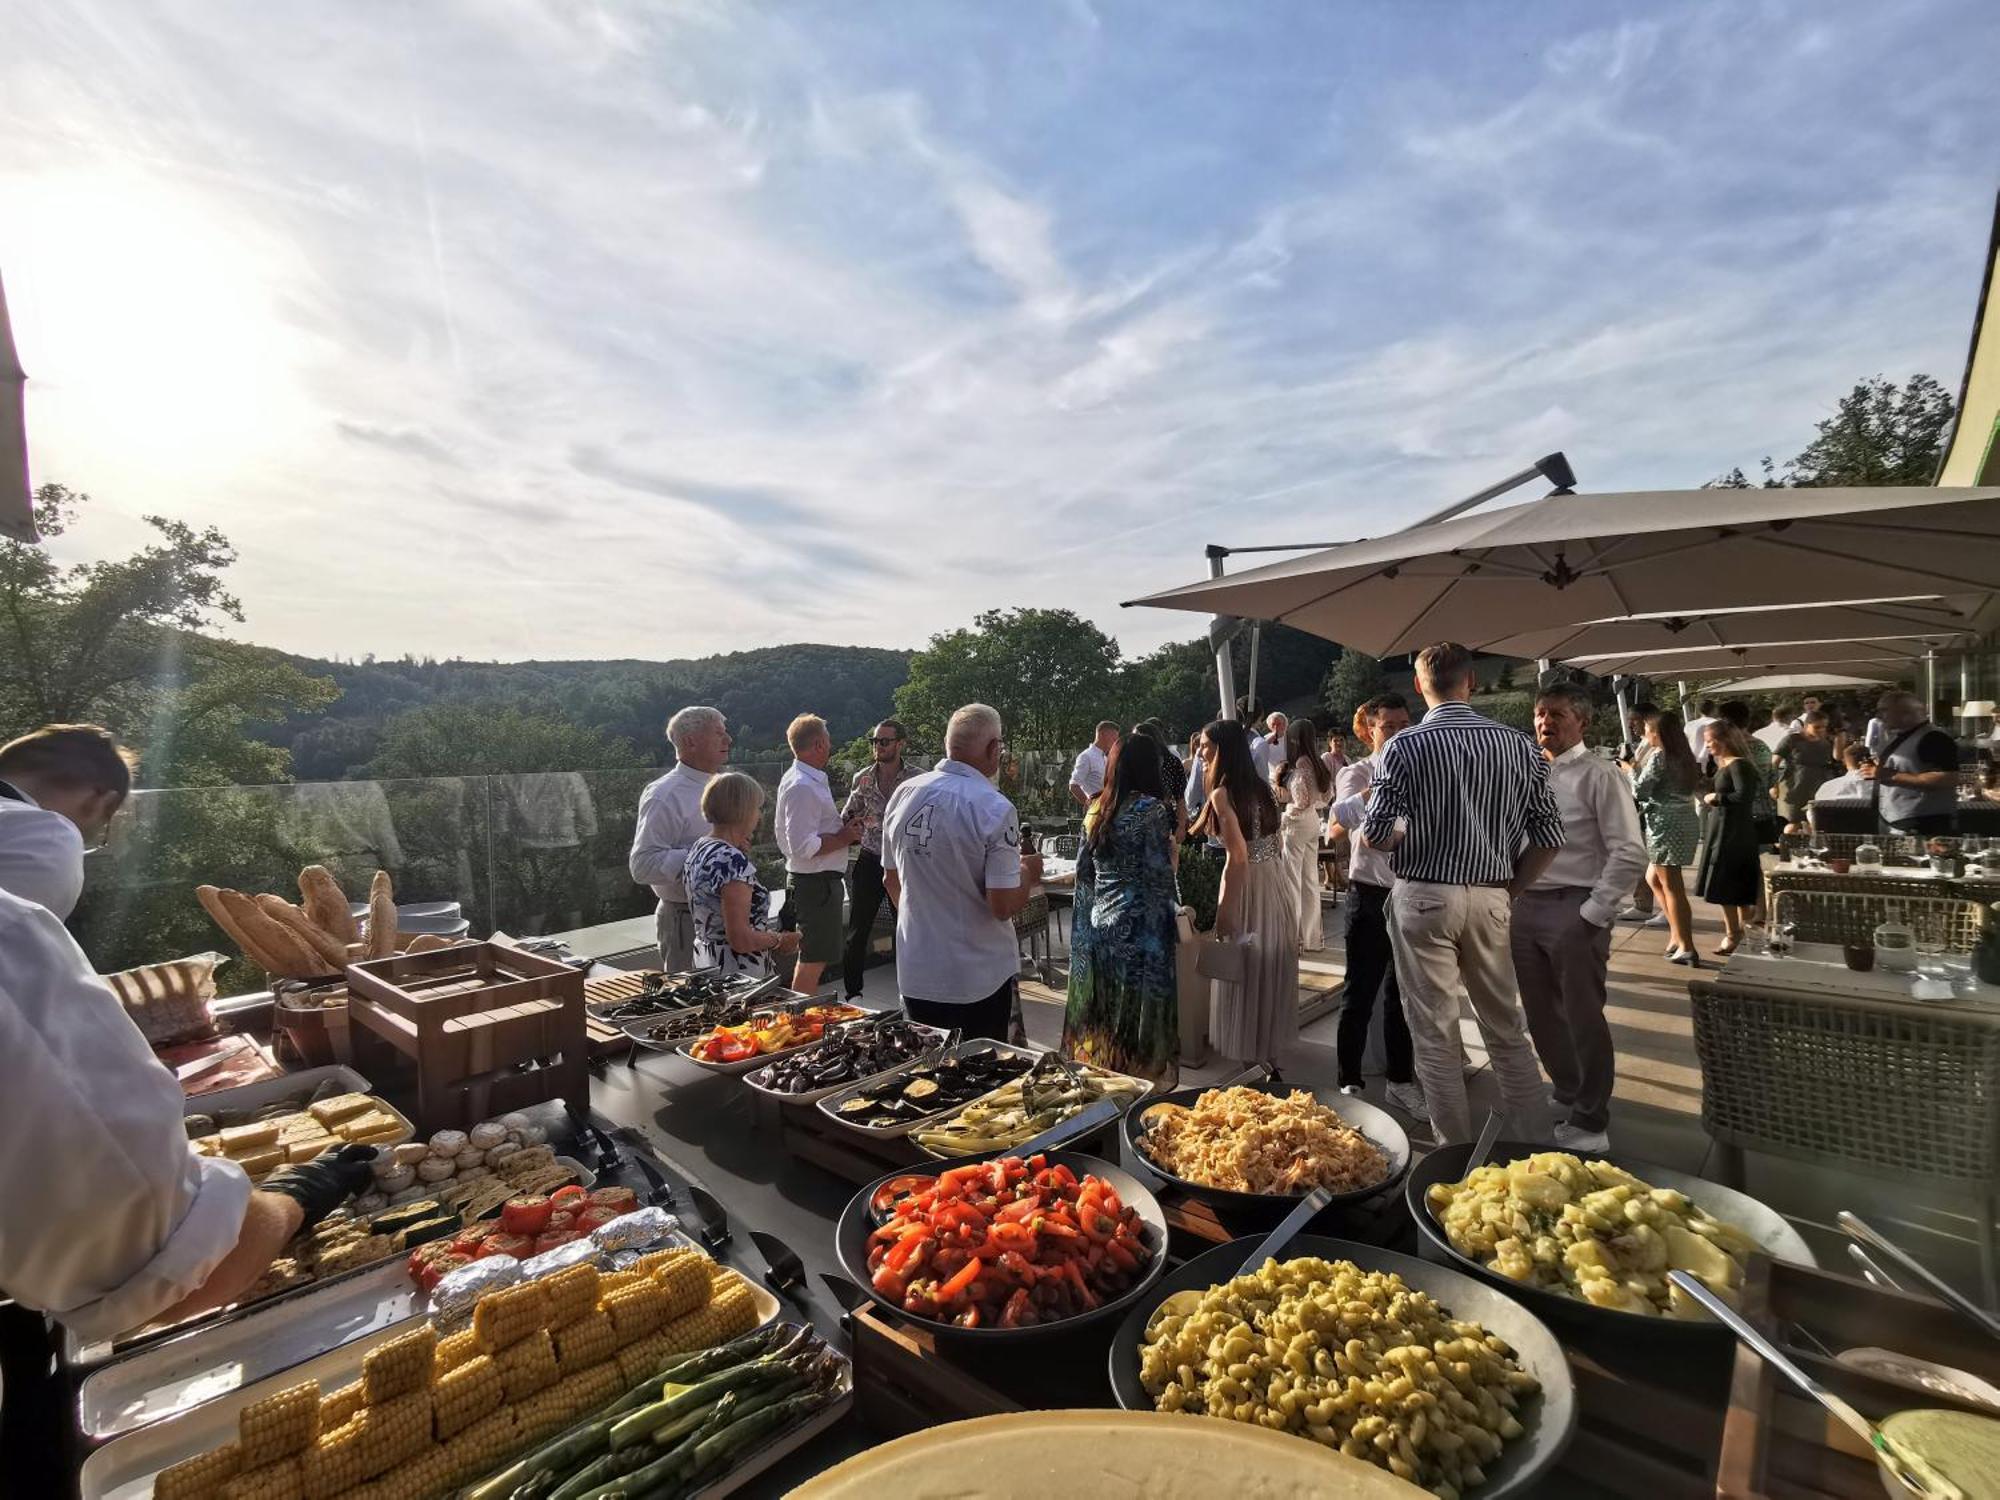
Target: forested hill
{"points": [[760, 691]]}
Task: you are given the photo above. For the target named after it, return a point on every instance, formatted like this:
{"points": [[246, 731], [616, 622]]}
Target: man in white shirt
{"points": [[1850, 787], [1086, 777], [1268, 750], [1561, 935], [1782, 717], [1797, 722], [952, 861], [1697, 728], [814, 842], [1371, 956], [60, 787], [136, 1224], [670, 821]]}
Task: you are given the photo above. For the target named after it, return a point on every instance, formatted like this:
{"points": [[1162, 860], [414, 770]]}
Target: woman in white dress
{"points": [[1304, 787], [1258, 1019]]}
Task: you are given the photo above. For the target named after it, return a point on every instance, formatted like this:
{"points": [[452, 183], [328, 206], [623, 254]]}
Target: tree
{"points": [[463, 739], [1880, 433], [1176, 685], [1051, 674], [1350, 682]]}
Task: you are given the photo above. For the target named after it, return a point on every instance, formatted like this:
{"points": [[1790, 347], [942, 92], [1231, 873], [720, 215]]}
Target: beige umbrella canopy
{"points": [[1568, 558], [1881, 650], [1938, 618], [17, 514], [1798, 682]]}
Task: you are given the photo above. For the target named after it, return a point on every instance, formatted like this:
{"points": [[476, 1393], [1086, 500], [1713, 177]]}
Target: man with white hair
{"points": [[1086, 777], [1915, 774], [670, 821], [814, 839], [952, 863], [1267, 751]]}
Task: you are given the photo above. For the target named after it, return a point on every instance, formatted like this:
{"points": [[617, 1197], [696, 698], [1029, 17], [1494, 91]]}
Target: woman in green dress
{"points": [[1124, 979], [1664, 787]]}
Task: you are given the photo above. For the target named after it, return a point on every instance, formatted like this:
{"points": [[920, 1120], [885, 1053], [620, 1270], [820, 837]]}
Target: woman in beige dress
{"points": [[1258, 1019], [1304, 787]]}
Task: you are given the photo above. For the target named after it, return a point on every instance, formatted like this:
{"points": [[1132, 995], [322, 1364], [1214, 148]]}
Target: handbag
{"points": [[1226, 960]]}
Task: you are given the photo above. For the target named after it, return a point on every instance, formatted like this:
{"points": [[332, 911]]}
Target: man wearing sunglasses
{"points": [[866, 800], [60, 787]]}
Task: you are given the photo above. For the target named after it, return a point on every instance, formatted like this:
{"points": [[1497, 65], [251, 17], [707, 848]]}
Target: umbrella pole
{"points": [[1250, 692], [1624, 716], [1223, 637], [1930, 681]]}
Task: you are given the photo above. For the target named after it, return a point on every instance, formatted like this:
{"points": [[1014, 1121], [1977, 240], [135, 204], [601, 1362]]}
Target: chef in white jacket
{"points": [[112, 1217], [60, 787]]}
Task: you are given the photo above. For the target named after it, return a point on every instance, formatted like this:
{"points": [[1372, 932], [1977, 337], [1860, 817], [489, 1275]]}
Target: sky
{"points": [[500, 329]]}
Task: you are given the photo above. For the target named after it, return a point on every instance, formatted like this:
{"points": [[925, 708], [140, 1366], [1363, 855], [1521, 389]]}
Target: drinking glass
{"points": [[1931, 942]]}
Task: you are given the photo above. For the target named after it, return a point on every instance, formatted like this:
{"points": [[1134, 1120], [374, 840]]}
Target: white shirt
{"points": [[1773, 734], [805, 816], [951, 837], [41, 854], [1602, 846], [1087, 775], [1697, 730], [1845, 788], [1267, 753], [670, 821], [1350, 810], [1876, 737], [111, 1215]]}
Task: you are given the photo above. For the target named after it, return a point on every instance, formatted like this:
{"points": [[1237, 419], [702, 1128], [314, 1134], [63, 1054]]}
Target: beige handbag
{"points": [[1226, 959]]}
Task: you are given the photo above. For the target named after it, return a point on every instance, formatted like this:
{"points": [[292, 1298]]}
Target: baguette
{"points": [[381, 916], [326, 903], [331, 951], [424, 942], [279, 950], [211, 902]]}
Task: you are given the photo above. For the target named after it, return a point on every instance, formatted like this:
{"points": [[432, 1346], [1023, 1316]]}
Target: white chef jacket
{"points": [[41, 854], [1087, 774], [670, 821], [951, 837], [805, 816], [111, 1214]]}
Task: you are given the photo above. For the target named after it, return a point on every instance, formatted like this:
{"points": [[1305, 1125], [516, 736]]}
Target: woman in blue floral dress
{"points": [[1124, 981], [729, 904]]}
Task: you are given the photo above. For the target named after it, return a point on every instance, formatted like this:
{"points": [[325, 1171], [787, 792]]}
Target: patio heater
{"points": [[1223, 629]]}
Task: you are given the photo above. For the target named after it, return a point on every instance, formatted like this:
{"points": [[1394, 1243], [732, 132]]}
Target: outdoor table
{"points": [[1803, 1058], [1979, 884]]}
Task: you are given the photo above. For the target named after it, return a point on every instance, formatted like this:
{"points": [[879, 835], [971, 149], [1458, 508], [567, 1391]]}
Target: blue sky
{"points": [[506, 329]]}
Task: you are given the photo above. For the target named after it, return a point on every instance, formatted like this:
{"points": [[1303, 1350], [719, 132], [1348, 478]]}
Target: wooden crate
{"points": [[1779, 1444], [489, 1027]]}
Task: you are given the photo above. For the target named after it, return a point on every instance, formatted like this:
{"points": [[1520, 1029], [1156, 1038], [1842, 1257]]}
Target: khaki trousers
{"points": [[1560, 962], [675, 928], [1445, 936]]}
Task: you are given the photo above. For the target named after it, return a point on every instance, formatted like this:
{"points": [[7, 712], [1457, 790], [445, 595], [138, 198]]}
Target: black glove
{"points": [[324, 1183]]}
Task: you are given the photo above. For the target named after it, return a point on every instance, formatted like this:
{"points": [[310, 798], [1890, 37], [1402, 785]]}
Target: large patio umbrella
{"points": [[1940, 618], [1569, 558], [1757, 657], [1796, 682], [17, 514]]}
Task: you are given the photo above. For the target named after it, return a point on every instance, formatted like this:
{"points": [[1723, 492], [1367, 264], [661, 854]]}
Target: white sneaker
{"points": [[1570, 1138], [1633, 914], [1657, 919], [1409, 1098]]}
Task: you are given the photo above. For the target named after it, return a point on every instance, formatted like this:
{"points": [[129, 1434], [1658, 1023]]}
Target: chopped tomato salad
{"points": [[1006, 1244]]}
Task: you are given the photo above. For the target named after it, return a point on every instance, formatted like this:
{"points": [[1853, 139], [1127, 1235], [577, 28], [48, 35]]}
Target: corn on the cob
{"points": [[400, 1366], [465, 1395], [201, 1477], [651, 1263], [483, 1446], [685, 1286], [572, 1293], [539, 1415], [333, 1463], [590, 1340], [393, 1432], [453, 1351], [503, 1318], [278, 1481], [635, 1364], [617, 1281], [733, 1311], [529, 1366], [639, 1310], [426, 1474], [279, 1426], [336, 1409]]}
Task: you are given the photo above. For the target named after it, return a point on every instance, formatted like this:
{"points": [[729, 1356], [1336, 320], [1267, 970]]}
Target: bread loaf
{"points": [[326, 903], [229, 920], [332, 952], [381, 916], [277, 949]]}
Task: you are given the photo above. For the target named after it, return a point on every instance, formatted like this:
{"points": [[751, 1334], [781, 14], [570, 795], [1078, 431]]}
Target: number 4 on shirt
{"points": [[920, 828]]}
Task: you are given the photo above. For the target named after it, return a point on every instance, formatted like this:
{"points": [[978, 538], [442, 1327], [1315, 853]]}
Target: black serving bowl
{"points": [[1377, 1124], [1764, 1225], [1548, 1418], [851, 1234]]}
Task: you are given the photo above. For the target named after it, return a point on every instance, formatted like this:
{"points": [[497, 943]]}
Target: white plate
{"points": [[813, 1096], [752, 1064], [829, 1106], [123, 1468]]}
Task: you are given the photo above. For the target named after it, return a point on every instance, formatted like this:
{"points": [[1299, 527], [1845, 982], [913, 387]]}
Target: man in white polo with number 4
{"points": [[952, 863]]}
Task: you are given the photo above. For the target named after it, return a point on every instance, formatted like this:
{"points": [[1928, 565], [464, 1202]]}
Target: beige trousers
{"points": [[1445, 936]]}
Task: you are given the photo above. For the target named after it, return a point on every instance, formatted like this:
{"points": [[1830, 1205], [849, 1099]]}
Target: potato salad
{"points": [[1590, 1230]]}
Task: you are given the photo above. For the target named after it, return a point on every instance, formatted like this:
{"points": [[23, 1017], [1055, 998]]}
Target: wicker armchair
{"points": [[1851, 914]]}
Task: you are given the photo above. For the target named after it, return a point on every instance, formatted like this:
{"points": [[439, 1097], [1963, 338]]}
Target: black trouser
{"points": [[864, 903], [1928, 826], [988, 1018], [1371, 962]]}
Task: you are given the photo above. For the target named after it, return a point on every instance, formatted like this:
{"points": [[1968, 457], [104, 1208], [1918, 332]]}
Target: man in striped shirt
{"points": [[1464, 809]]}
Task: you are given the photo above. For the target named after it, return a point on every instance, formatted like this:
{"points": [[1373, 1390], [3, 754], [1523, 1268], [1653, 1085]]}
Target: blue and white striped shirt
{"points": [[1472, 794]]}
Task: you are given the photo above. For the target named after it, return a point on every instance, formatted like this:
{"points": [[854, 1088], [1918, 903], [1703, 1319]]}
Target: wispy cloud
{"points": [[802, 322]]}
